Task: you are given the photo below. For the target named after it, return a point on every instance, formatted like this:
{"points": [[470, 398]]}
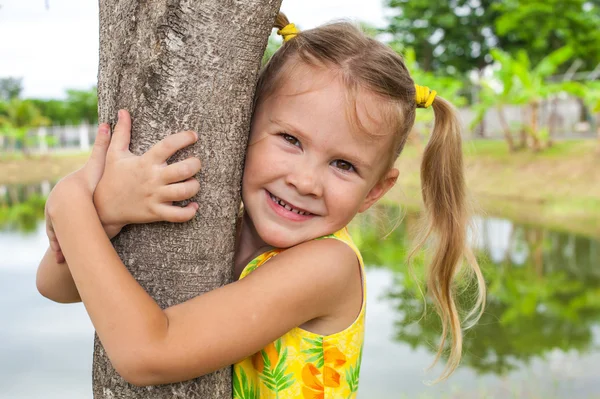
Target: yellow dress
{"points": [[302, 364]]}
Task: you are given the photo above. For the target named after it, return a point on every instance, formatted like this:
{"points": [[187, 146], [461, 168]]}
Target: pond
{"points": [[538, 338]]}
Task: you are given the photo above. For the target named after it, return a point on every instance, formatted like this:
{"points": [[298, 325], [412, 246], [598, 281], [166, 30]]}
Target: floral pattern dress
{"points": [[302, 364]]}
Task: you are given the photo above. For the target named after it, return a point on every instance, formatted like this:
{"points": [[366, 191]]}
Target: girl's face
{"points": [[308, 170]]}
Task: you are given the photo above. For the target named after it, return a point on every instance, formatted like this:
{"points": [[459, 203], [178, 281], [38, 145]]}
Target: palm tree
{"points": [[526, 85], [490, 98], [17, 117]]}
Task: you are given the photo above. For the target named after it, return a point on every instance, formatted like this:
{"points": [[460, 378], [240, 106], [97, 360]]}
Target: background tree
{"points": [[543, 26], [449, 37], [10, 88], [528, 86], [80, 106], [17, 117], [455, 37], [179, 65]]}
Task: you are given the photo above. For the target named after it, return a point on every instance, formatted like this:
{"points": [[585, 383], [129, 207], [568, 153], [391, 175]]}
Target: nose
{"points": [[306, 180]]}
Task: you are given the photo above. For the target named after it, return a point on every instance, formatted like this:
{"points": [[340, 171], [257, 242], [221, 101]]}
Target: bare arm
{"points": [[54, 280], [132, 190], [149, 346]]}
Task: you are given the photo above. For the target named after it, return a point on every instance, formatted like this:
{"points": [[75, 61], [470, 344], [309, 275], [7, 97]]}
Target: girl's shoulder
{"points": [[336, 249], [326, 275]]}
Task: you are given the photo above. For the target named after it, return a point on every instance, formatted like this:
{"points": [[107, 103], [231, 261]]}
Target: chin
{"points": [[280, 241], [281, 238]]}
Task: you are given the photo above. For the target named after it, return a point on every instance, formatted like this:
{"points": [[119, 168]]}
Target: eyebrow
{"points": [[292, 129]]}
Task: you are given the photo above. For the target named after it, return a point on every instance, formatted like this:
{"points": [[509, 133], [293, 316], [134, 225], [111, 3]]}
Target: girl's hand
{"points": [[85, 179], [141, 189]]}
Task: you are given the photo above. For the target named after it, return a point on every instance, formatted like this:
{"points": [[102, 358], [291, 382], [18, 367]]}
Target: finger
{"points": [[96, 162], [180, 170], [101, 144], [168, 146], [60, 258], [179, 191], [122, 133], [177, 214], [54, 245], [53, 242]]}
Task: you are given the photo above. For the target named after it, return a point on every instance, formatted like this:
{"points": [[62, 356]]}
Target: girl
{"points": [[333, 109]]}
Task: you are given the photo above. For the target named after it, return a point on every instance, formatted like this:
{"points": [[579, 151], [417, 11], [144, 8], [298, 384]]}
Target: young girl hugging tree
{"points": [[333, 109]]}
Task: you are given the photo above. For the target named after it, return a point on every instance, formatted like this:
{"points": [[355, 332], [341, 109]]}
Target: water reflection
{"points": [[22, 206], [543, 292], [543, 310]]}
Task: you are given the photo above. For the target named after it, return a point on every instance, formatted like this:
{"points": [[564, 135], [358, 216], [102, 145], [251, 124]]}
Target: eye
{"points": [[290, 139], [343, 165]]}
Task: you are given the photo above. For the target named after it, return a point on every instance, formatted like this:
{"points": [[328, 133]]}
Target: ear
{"points": [[379, 190]]}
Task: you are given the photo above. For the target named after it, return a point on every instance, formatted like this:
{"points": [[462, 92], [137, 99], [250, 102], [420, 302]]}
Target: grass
{"points": [[19, 169], [558, 187]]}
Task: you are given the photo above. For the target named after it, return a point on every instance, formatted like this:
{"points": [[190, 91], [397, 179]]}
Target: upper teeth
{"points": [[286, 206]]}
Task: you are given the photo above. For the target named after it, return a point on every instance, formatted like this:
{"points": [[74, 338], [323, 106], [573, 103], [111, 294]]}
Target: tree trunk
{"points": [[598, 131], [553, 121], [182, 65], [533, 130], [523, 131], [506, 129]]}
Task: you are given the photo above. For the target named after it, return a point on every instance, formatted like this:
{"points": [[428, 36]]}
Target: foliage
{"points": [[456, 37], [272, 46], [10, 88], [80, 106], [524, 84], [449, 37], [16, 118], [23, 216], [542, 26]]}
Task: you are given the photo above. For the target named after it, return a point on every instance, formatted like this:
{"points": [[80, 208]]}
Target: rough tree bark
{"points": [[179, 65]]}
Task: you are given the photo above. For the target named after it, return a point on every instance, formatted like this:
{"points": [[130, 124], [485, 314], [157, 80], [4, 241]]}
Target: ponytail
{"points": [[447, 216]]}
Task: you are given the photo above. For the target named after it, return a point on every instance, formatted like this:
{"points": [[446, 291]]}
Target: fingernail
{"points": [[119, 114], [195, 135], [195, 205], [104, 129]]}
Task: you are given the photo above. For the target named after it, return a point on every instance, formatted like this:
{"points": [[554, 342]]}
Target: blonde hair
{"points": [[365, 63]]}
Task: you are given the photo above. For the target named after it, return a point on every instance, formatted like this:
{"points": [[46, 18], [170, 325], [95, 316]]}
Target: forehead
{"points": [[320, 98]]}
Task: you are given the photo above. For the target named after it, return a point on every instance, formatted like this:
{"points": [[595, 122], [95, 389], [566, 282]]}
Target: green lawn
{"points": [[558, 187]]}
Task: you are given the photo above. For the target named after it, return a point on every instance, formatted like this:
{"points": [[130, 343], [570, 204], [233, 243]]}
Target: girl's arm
{"points": [[133, 189], [54, 280], [149, 346]]}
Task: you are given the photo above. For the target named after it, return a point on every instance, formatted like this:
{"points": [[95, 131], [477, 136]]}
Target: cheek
{"points": [[345, 198]]}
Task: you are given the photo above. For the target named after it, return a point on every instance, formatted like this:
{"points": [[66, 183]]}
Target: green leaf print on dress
{"points": [[271, 365], [243, 387], [315, 354], [353, 373]]}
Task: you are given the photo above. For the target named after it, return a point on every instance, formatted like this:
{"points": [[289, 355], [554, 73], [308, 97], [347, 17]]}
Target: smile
{"points": [[281, 204]]}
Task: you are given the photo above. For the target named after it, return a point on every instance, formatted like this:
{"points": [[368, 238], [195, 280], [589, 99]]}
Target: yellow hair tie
{"points": [[288, 32], [424, 97]]}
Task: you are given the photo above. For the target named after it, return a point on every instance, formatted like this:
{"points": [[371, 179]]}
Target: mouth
{"points": [[288, 206]]}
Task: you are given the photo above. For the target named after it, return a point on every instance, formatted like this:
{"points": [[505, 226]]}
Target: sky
{"points": [[56, 49]]}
